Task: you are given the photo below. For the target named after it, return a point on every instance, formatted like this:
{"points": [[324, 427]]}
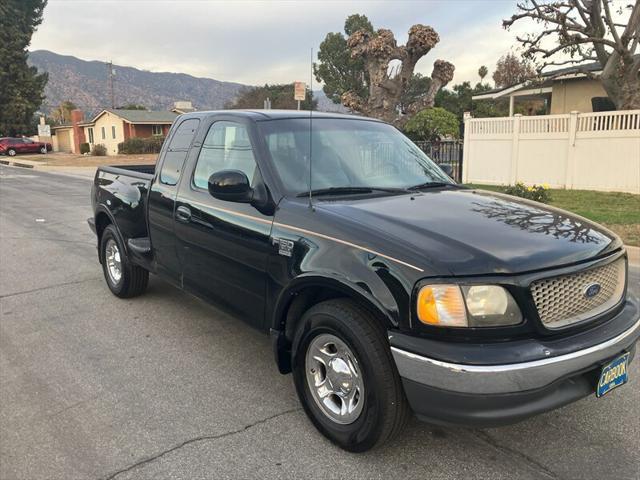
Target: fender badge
{"points": [[285, 247]]}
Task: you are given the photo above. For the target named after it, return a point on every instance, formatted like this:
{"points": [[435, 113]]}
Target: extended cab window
{"points": [[177, 151], [226, 147]]}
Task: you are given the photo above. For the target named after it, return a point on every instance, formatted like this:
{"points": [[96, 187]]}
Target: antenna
{"points": [[311, 130]]}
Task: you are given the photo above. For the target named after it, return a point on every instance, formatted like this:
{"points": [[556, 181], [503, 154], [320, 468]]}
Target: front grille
{"points": [[563, 300]]}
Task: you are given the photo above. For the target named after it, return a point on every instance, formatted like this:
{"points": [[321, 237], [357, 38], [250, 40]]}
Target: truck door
{"points": [[224, 245], [162, 199]]}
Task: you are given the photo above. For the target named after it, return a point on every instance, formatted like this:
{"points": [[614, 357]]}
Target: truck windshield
{"points": [[351, 156]]}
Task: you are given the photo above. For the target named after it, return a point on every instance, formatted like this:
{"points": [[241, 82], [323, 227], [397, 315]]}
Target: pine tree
{"points": [[21, 86]]}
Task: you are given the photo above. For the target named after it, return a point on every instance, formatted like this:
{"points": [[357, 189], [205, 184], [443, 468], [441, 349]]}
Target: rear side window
{"points": [[177, 151]]}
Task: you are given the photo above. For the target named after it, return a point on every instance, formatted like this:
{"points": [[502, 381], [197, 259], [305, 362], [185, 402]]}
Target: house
{"points": [[562, 91], [110, 127]]}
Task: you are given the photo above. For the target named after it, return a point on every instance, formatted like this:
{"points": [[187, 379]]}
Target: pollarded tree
{"points": [[387, 87], [578, 31]]}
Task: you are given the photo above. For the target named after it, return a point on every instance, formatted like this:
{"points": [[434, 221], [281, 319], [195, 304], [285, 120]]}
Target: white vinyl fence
{"points": [[588, 151]]}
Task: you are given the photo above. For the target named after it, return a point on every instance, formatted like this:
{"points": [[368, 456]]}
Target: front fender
{"points": [[361, 292]]}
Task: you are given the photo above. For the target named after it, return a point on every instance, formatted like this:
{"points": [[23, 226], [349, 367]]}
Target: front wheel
{"points": [[43, 150], [345, 376], [124, 279], [11, 152]]}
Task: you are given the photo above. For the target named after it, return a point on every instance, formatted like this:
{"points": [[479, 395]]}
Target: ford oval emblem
{"points": [[592, 290]]}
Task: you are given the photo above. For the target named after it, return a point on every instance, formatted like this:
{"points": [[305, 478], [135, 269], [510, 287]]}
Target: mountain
{"points": [[325, 104], [86, 84]]}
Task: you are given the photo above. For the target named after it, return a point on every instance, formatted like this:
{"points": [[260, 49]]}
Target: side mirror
{"points": [[230, 185], [446, 168]]}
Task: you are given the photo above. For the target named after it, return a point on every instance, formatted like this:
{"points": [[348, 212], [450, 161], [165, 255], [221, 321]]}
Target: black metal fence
{"points": [[446, 152]]}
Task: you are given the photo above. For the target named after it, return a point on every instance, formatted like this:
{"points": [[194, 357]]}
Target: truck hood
{"points": [[472, 232]]}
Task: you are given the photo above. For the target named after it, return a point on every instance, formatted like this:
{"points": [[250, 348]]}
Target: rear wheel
{"points": [[345, 376], [43, 150], [11, 152], [124, 279]]}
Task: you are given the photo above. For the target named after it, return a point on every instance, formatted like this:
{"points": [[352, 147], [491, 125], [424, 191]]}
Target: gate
{"points": [[445, 152]]}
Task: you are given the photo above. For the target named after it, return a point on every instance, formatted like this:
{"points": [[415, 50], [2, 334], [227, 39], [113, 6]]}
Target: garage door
{"points": [[64, 140]]}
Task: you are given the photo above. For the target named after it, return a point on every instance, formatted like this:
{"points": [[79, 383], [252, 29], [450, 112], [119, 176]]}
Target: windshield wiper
{"points": [[352, 191], [337, 191], [431, 185]]}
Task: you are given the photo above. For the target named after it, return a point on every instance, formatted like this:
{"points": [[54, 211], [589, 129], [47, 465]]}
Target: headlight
{"points": [[467, 306]]}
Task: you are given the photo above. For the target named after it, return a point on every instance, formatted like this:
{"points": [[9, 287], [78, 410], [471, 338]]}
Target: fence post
{"points": [[465, 152], [570, 161], [515, 140]]}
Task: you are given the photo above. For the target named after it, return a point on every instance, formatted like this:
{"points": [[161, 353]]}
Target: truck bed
{"points": [[124, 189]]}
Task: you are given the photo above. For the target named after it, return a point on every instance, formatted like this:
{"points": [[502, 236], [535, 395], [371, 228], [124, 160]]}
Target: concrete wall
{"points": [[575, 94], [589, 151]]}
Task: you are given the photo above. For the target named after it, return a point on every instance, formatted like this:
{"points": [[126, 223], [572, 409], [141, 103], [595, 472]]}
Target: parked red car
{"points": [[12, 146]]}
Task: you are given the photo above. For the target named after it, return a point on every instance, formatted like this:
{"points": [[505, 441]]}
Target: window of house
{"points": [[177, 151], [156, 130], [90, 131], [226, 146], [104, 134], [113, 131]]}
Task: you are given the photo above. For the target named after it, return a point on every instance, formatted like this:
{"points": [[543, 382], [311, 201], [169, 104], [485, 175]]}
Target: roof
{"points": [[64, 125], [263, 115], [140, 116]]}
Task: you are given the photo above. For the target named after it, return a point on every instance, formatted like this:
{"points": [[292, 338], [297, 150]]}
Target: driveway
{"points": [[164, 386]]}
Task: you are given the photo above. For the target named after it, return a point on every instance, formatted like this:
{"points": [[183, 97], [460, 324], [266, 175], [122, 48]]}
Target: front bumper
{"points": [[500, 393]]}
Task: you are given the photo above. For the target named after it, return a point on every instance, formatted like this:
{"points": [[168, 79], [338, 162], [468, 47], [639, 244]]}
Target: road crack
{"points": [[201, 438], [48, 287], [529, 461]]}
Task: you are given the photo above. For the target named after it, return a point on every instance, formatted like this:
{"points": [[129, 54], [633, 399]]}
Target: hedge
{"points": [[141, 145]]}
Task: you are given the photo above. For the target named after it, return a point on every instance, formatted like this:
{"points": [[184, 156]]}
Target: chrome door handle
{"points": [[183, 214]]}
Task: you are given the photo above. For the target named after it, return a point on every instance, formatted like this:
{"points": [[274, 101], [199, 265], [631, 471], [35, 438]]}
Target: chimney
{"points": [[78, 132]]}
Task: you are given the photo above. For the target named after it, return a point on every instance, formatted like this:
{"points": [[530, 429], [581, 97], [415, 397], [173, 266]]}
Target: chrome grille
{"points": [[563, 300]]}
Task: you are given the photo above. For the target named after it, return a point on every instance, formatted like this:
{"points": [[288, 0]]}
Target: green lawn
{"points": [[618, 211]]}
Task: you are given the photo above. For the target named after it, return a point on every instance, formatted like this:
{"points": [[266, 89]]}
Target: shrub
{"points": [[432, 124], [141, 145], [99, 150], [85, 148], [538, 193]]}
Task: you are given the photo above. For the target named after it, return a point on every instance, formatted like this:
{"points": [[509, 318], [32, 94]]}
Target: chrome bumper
{"points": [[516, 377]]}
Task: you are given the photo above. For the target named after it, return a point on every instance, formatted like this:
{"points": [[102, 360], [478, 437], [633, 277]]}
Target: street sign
{"points": [[299, 91], [44, 130]]}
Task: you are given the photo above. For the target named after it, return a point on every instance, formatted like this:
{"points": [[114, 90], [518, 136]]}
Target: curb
{"points": [[633, 254], [23, 163]]}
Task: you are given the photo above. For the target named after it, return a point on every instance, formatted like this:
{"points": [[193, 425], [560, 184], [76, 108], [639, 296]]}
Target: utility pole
{"points": [[111, 73]]}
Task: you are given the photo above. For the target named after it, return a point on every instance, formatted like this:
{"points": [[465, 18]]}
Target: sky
{"points": [[257, 42]]}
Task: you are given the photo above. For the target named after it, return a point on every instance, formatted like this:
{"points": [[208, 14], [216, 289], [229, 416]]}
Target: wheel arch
{"points": [[306, 291]]}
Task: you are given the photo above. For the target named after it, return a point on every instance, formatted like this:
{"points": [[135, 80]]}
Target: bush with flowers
{"points": [[538, 193]]}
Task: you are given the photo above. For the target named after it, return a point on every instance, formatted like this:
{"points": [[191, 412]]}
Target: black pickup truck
{"points": [[386, 287]]}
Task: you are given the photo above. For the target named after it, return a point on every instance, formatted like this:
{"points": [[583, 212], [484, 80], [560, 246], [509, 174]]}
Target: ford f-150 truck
{"points": [[386, 287]]}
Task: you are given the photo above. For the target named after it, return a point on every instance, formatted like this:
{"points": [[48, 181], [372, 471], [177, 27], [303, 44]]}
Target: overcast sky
{"points": [[257, 42]]}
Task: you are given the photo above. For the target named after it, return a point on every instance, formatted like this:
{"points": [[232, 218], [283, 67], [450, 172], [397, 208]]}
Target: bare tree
{"points": [[388, 85], [511, 70], [587, 30]]}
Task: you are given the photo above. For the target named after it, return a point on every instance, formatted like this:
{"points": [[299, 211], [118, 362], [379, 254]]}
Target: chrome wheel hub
{"points": [[334, 378], [113, 260]]}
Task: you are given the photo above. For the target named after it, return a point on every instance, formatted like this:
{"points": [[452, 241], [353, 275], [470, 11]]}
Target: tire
{"points": [[11, 152], [384, 410], [124, 279], [43, 150]]}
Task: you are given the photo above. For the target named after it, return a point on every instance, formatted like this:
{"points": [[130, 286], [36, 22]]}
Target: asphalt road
{"points": [[164, 386]]}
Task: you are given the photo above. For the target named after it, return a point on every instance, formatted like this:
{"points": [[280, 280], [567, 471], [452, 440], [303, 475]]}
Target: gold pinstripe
{"points": [[308, 232]]}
